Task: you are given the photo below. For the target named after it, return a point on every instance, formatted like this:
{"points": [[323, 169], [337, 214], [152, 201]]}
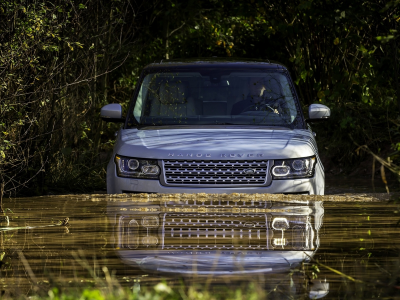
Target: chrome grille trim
{"points": [[215, 173]]}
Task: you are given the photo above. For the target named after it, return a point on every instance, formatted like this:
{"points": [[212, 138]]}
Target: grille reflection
{"points": [[215, 231]]}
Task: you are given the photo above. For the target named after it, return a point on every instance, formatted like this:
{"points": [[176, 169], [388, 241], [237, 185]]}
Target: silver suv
{"points": [[215, 126]]}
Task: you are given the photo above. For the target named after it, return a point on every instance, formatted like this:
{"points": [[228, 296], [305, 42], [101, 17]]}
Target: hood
{"points": [[216, 143]]}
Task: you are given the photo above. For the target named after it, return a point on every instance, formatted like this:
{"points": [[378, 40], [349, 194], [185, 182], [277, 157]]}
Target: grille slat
{"points": [[215, 172], [215, 231]]}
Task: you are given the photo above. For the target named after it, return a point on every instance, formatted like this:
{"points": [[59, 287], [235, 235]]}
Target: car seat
{"points": [[172, 101]]}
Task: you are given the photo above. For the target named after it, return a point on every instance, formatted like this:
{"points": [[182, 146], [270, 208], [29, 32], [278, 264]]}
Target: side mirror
{"points": [[112, 113], [318, 113]]}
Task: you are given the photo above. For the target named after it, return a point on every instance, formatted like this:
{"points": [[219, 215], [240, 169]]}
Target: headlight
{"points": [[292, 232], [138, 231], [280, 224], [136, 167], [293, 168]]}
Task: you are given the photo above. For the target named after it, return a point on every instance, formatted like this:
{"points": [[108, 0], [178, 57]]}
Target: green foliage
{"points": [[342, 54], [160, 291], [55, 63], [61, 61]]}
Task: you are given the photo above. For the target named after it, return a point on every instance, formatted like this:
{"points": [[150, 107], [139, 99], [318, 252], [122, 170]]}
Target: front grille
{"points": [[215, 172], [215, 232]]}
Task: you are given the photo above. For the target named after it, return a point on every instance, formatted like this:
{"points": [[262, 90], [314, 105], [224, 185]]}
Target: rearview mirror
{"points": [[318, 113], [112, 113]]}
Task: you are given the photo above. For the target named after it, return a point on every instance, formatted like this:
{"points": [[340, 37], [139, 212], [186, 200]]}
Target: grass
{"points": [[160, 291], [108, 286]]}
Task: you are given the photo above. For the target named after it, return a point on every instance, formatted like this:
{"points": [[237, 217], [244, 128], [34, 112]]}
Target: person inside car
{"points": [[261, 98]]}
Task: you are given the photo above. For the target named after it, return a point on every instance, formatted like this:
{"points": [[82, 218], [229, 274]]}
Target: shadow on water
{"points": [[288, 246]]}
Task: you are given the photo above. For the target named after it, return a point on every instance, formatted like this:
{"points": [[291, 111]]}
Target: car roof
{"points": [[216, 62]]}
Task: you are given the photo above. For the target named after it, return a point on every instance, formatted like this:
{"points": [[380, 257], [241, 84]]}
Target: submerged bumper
{"points": [[214, 262]]}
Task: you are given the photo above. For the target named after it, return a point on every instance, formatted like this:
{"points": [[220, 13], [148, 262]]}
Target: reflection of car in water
{"points": [[217, 237]]}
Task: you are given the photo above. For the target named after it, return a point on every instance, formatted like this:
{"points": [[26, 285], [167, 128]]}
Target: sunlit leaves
{"points": [[336, 41], [385, 39]]}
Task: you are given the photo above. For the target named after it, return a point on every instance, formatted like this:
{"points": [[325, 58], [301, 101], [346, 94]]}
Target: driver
{"points": [[255, 100]]}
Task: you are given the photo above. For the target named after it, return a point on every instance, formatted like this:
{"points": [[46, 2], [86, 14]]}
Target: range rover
{"points": [[215, 126]]}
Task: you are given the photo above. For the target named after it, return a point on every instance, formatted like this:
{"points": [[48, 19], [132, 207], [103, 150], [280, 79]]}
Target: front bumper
{"points": [[311, 186]]}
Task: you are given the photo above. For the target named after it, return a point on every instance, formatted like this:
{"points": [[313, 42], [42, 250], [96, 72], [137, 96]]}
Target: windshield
{"points": [[216, 97]]}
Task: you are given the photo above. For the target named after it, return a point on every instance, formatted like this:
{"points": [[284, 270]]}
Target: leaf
{"points": [[70, 47], [162, 287], [303, 75], [336, 41], [321, 94]]}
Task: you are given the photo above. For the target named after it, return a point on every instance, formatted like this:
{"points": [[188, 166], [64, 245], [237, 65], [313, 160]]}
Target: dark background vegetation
{"points": [[61, 61]]}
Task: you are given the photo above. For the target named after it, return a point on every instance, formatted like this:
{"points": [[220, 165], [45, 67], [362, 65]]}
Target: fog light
{"points": [[149, 240], [280, 242], [280, 170], [150, 221], [150, 170]]}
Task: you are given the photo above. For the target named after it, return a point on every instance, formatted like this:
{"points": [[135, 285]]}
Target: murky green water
{"points": [[291, 246]]}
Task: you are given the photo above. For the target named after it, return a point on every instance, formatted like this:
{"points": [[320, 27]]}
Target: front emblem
{"points": [[249, 171]]}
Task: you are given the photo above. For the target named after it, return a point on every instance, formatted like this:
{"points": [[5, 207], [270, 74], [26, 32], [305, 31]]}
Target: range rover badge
{"points": [[249, 171]]}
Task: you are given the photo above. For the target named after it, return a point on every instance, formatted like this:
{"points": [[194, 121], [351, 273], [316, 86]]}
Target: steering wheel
{"points": [[261, 107]]}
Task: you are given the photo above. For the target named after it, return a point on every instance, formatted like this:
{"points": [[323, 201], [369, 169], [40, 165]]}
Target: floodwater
{"points": [[292, 247]]}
